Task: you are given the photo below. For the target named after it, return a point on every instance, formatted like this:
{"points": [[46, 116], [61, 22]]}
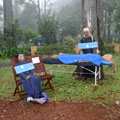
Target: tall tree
{"points": [[92, 18], [17, 9], [8, 13], [1, 11], [39, 9], [109, 8], [99, 20], [28, 18], [48, 27], [117, 16], [89, 16], [69, 18]]}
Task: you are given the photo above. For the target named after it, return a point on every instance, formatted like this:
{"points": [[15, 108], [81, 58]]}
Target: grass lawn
{"points": [[5, 60], [67, 88]]}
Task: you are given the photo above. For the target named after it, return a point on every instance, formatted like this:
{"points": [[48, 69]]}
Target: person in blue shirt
{"points": [[31, 82]]}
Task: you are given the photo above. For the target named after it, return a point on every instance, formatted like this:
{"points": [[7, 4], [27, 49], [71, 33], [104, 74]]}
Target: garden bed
{"points": [[63, 110]]}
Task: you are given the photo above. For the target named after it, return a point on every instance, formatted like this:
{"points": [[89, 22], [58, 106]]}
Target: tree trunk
{"points": [[8, 13], [38, 10], [105, 27], [109, 27], [45, 4], [16, 10], [92, 18], [99, 30], [99, 24], [89, 16]]}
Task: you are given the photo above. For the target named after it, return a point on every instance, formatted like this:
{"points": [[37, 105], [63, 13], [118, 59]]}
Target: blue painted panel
{"points": [[88, 45], [24, 68]]}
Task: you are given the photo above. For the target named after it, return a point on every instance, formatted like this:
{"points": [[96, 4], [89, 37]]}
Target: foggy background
{"points": [[54, 20]]}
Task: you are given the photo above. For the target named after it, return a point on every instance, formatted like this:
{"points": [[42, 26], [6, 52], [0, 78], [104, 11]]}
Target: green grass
{"points": [[5, 60], [7, 84], [67, 88]]}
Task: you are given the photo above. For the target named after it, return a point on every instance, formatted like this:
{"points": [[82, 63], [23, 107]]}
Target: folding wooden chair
{"points": [[18, 89], [40, 69]]}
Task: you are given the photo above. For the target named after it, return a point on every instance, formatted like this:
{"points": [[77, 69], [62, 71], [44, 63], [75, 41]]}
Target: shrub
{"points": [[69, 41], [48, 27], [13, 35], [30, 34], [11, 52]]}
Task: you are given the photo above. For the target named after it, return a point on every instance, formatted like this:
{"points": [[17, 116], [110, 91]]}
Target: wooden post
{"points": [[33, 50], [117, 48], [77, 49], [113, 41]]}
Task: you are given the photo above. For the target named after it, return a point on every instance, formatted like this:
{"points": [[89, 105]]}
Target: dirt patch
{"points": [[20, 110]]}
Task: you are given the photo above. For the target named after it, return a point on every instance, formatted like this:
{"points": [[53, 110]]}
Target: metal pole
{"points": [[95, 75]]}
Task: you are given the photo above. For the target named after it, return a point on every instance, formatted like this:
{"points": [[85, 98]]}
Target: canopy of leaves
{"points": [[48, 27], [117, 17], [29, 34], [70, 18], [28, 18], [13, 35], [69, 41]]}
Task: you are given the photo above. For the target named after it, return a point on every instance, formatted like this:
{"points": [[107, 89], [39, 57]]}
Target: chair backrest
{"points": [[38, 63], [14, 61], [88, 45]]}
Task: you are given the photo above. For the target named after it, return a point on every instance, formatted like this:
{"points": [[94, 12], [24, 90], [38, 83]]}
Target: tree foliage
{"points": [[69, 41], [111, 19], [31, 34], [28, 18], [48, 27], [70, 18], [13, 35], [117, 17]]}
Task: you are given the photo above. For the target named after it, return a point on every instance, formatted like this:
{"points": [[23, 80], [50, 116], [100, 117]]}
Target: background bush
{"points": [[13, 35], [11, 52], [69, 41]]}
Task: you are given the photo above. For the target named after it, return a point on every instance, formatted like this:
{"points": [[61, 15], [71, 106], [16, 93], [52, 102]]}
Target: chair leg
{"points": [[17, 85], [51, 85], [18, 91], [48, 82]]}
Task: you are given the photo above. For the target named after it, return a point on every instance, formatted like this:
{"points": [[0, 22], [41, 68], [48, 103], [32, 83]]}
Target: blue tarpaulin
{"points": [[69, 59]]}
